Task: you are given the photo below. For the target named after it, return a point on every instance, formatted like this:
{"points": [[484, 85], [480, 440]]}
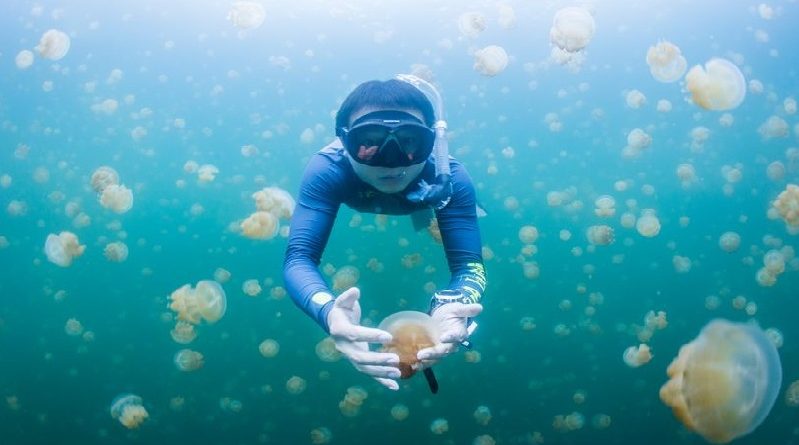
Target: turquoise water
{"points": [[182, 60]]}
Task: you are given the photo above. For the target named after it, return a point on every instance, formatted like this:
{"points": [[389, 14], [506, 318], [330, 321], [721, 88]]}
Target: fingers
{"points": [[436, 352], [387, 372], [361, 356], [348, 298], [357, 333], [388, 383]]}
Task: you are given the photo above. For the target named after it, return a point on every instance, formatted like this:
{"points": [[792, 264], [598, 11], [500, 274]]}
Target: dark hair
{"points": [[390, 93]]}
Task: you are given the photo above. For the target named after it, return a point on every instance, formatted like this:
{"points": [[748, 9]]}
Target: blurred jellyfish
{"points": [[326, 350], [720, 85], [666, 62], [776, 171], [73, 327], [183, 332], [507, 16], [246, 15], [723, 384], [206, 302], [528, 234], [260, 225], [681, 264], [251, 288], [117, 198], [345, 278], [128, 410], [24, 59], [221, 275], [471, 24], [482, 415], [439, 426], [321, 435], [116, 252], [635, 356], [605, 206], [635, 100], [572, 29], [207, 173], [53, 45], [61, 249], [296, 385], [774, 261], [412, 331], [103, 177], [491, 60], [648, 224], [686, 173], [787, 205], [276, 201], [637, 141], [399, 412], [269, 348], [484, 439], [601, 235], [792, 394], [187, 360], [774, 127]]}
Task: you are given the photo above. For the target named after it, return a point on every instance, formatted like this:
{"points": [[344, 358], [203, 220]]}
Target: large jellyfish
{"points": [[723, 384], [572, 29], [718, 86], [62, 248], [128, 409], [412, 332]]}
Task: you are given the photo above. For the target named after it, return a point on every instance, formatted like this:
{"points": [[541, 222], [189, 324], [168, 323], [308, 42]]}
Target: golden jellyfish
{"points": [[412, 332], [400, 412], [792, 395], [207, 173], [528, 234], [183, 332], [491, 60], [666, 62], [260, 225], [439, 426], [326, 350], [482, 415], [61, 249], [187, 360], [128, 410], [345, 278], [73, 327], [251, 288], [53, 45], [787, 205], [321, 435], [600, 235], [269, 348], [720, 85], [605, 206], [723, 384], [103, 177], [246, 15], [116, 252], [117, 198], [205, 302], [296, 385], [648, 224], [635, 356], [222, 275], [276, 201]]}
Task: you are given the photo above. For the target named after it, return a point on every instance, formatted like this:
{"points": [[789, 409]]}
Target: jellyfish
{"points": [[251, 287], [117, 198], [605, 206], [470, 24], [399, 412], [439, 426], [53, 45], [635, 356], [206, 302], [207, 173], [128, 409], [482, 415], [187, 360], [296, 385], [260, 225], [412, 332], [24, 59], [103, 177], [73, 327], [792, 394], [528, 234], [326, 350], [666, 62], [648, 224], [321, 435], [572, 29], [269, 348], [345, 278], [246, 15], [221, 275], [276, 201], [600, 235], [774, 127], [491, 60], [787, 205], [723, 384], [718, 86], [61, 249], [183, 332], [116, 252]]}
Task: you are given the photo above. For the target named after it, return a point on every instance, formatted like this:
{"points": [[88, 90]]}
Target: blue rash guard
{"points": [[329, 181]]}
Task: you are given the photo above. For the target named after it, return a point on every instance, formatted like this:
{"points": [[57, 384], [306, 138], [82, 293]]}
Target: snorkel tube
{"points": [[435, 195]]}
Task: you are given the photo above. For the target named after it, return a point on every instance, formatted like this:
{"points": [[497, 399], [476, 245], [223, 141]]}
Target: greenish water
{"points": [[182, 60]]}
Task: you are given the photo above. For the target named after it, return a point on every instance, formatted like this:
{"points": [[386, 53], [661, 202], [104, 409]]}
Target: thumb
{"points": [[348, 298], [466, 310]]}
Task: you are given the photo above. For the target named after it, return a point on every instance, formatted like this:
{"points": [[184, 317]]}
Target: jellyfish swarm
{"points": [[127, 408], [724, 383], [412, 332]]}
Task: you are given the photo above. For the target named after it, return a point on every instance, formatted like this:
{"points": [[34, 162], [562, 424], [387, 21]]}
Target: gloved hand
{"points": [[451, 321], [352, 340]]}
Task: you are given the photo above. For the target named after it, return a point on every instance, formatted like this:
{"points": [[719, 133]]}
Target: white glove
{"points": [[352, 340], [451, 321]]}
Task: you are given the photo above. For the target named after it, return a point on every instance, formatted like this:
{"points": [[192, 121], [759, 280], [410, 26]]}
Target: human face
{"points": [[386, 179]]}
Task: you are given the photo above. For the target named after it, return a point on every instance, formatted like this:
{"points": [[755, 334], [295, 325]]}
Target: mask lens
{"points": [[370, 143]]}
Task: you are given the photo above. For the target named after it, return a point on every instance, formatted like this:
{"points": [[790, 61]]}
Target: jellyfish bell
{"points": [[128, 409], [412, 331], [723, 384], [62, 248], [719, 85], [211, 300]]}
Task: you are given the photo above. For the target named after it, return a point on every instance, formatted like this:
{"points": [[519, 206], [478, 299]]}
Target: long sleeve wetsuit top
{"points": [[329, 181]]}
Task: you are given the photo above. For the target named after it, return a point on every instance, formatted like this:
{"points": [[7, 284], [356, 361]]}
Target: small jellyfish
{"points": [[666, 62], [117, 198], [276, 201], [648, 224], [600, 235], [326, 350], [321, 435], [471, 24], [260, 225], [412, 332], [635, 356], [720, 85], [269, 348], [296, 385], [246, 15], [61, 249], [187, 360], [528, 234], [206, 173], [183, 332], [792, 394], [345, 278], [439, 426], [399, 412], [491, 60], [128, 410], [24, 59], [482, 415], [221, 275], [251, 288], [116, 252], [53, 45], [723, 384], [787, 205], [103, 177], [206, 302]]}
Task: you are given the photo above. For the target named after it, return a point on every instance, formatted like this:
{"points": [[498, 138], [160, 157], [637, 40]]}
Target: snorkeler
{"points": [[390, 157]]}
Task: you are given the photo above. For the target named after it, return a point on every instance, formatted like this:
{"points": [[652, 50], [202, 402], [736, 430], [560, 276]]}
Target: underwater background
{"points": [[541, 141]]}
